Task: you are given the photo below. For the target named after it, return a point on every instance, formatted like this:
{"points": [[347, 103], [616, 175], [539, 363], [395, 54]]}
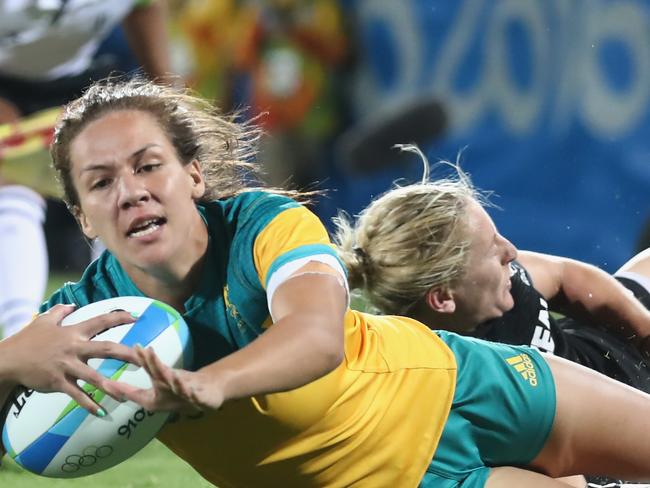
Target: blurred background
{"points": [[548, 100], [547, 104]]}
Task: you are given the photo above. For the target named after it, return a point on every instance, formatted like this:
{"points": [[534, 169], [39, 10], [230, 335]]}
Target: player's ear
{"points": [[440, 300], [196, 175], [84, 223]]}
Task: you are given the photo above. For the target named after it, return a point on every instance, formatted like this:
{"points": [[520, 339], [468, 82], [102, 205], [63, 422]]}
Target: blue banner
{"points": [[549, 100]]}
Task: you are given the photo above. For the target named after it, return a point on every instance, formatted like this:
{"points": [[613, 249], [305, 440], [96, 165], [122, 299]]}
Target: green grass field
{"points": [[154, 466]]}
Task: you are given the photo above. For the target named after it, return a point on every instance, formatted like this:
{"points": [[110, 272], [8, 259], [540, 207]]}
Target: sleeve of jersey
{"points": [[292, 239], [58, 297]]}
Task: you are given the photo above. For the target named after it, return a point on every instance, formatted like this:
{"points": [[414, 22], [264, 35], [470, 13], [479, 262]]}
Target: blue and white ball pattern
{"points": [[49, 434]]}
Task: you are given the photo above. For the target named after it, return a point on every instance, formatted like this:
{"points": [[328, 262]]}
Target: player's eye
{"points": [[100, 184], [148, 168]]}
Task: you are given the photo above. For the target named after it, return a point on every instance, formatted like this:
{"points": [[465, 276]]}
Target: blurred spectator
{"points": [[279, 58], [47, 56], [551, 104]]}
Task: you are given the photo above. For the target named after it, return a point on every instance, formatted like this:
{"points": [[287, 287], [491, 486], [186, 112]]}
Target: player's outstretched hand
{"points": [[172, 389], [47, 356]]}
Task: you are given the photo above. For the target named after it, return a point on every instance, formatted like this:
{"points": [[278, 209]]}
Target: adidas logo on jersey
{"points": [[525, 367]]}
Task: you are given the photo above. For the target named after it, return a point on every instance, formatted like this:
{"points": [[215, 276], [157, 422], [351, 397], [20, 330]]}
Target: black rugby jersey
{"points": [[530, 323]]}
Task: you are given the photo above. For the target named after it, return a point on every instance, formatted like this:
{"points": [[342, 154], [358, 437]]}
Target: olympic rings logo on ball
{"points": [[88, 457]]}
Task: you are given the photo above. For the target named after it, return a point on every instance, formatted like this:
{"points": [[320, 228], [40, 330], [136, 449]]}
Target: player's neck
{"points": [[170, 285], [439, 320]]}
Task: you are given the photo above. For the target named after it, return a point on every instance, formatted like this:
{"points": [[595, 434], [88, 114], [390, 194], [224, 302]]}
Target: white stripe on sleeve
{"points": [[285, 271]]}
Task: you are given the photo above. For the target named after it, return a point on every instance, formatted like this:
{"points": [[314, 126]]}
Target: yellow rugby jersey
{"points": [[374, 421]]}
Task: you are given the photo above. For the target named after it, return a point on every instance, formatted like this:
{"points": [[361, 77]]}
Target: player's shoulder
{"points": [[70, 293], [250, 204], [250, 212], [98, 281]]}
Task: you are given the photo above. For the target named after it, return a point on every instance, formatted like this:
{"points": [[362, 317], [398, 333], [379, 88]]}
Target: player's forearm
{"points": [[290, 354], [591, 294], [146, 31]]}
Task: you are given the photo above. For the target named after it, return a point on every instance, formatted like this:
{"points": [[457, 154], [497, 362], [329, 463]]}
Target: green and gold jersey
{"points": [[373, 421]]}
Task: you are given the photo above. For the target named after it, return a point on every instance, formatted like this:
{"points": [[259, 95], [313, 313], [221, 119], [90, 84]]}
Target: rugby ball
{"points": [[51, 435]]}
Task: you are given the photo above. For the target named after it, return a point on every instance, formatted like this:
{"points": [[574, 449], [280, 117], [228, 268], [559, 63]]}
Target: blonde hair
{"points": [[408, 240]]}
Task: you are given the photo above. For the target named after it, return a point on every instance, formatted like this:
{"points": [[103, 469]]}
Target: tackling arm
{"points": [[586, 293], [304, 343], [308, 306]]}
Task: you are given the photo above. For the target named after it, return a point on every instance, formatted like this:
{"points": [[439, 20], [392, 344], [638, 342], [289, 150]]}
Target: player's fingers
{"points": [[171, 382], [144, 361], [142, 397], [159, 382], [96, 325], [194, 397], [91, 376], [122, 391], [181, 387], [60, 311], [82, 398], [108, 349], [156, 367], [164, 396], [146, 398], [164, 371], [88, 375]]}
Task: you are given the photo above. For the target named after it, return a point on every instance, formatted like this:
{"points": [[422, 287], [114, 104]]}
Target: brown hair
{"points": [[224, 147]]}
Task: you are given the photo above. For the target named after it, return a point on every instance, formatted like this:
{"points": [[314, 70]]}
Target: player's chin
{"points": [[153, 257], [508, 302]]}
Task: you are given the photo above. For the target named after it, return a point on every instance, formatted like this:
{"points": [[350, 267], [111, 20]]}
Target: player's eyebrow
{"points": [[136, 156]]}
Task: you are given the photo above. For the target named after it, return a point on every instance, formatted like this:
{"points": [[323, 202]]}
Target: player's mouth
{"points": [[145, 227], [508, 288]]}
